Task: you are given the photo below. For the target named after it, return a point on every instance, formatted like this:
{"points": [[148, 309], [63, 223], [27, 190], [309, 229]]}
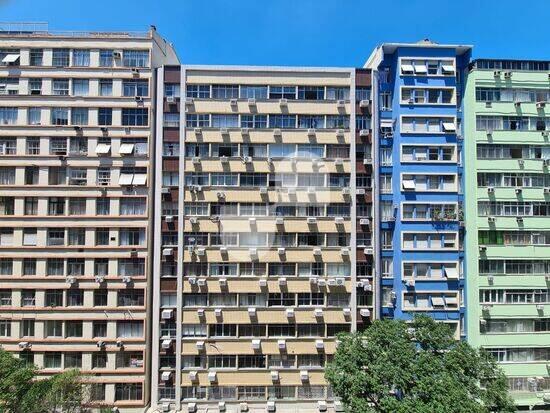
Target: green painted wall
{"points": [[486, 78]]}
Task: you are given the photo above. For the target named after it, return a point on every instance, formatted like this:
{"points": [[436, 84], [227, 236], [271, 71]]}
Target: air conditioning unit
{"points": [[482, 248], [192, 280], [339, 220], [279, 221], [253, 252], [331, 282], [317, 251], [364, 132], [252, 221], [360, 191], [519, 219], [233, 102], [277, 132], [212, 376], [71, 280], [364, 221], [193, 220], [198, 131], [170, 99], [546, 161], [201, 282], [281, 251], [496, 73], [313, 280], [99, 279], [291, 191], [126, 279], [517, 103], [200, 345], [541, 105], [491, 219], [165, 191], [321, 282], [347, 312], [243, 407], [221, 406], [247, 159], [490, 189], [200, 251], [192, 407], [281, 344], [166, 344], [410, 283], [344, 251], [193, 376], [364, 312], [167, 314], [25, 345], [188, 101], [220, 195], [119, 343], [311, 220], [311, 132], [270, 406], [321, 404], [166, 376], [196, 160], [341, 104], [364, 103], [263, 190], [540, 307], [283, 102], [340, 133], [311, 190], [518, 191], [251, 101], [223, 282], [274, 375], [304, 375], [256, 344], [262, 282], [252, 311], [290, 313], [200, 312], [485, 307], [218, 312], [508, 74], [318, 312], [340, 281], [346, 191], [167, 252], [169, 218], [338, 162]]}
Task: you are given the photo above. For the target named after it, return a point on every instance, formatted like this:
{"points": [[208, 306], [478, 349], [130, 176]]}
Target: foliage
{"points": [[22, 392], [395, 367]]}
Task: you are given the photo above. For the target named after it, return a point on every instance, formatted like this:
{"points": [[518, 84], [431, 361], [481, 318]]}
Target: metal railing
{"points": [[41, 29]]}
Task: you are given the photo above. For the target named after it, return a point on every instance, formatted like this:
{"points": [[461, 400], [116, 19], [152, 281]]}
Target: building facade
{"points": [[417, 91], [75, 182], [507, 187], [261, 169]]}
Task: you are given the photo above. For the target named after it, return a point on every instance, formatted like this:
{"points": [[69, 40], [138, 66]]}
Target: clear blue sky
{"points": [[305, 32]]}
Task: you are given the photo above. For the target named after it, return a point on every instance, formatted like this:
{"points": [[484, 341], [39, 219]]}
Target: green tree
{"points": [[395, 367], [22, 392]]}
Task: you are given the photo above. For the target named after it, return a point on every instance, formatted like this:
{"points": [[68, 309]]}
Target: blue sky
{"points": [[305, 32]]}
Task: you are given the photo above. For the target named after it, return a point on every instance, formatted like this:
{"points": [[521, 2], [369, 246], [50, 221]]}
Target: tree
{"points": [[395, 367], [22, 392]]}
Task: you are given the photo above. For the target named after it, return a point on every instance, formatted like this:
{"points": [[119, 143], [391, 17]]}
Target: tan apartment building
{"points": [[75, 184], [264, 215]]}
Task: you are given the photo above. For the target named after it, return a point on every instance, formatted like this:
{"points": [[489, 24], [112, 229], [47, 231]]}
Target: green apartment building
{"points": [[507, 157]]}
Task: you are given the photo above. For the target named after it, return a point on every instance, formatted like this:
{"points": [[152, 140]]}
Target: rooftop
{"points": [[40, 29]]}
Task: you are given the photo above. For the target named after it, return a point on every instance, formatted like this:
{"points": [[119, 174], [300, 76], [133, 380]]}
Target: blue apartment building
{"points": [[417, 143]]}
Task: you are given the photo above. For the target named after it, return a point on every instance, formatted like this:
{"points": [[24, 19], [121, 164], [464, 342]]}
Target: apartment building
{"points": [[507, 187], [261, 171], [417, 92], [75, 183]]}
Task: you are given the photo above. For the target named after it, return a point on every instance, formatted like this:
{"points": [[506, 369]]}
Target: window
{"points": [[103, 206], [34, 116], [99, 361], [135, 88], [6, 266], [29, 266], [60, 57], [81, 87], [282, 92], [129, 329], [35, 86], [36, 57], [59, 116], [73, 329], [79, 116], [311, 92], [106, 58], [135, 58], [52, 360], [60, 87], [100, 298], [253, 92], [105, 116], [8, 116], [337, 93], [54, 328], [128, 391], [105, 87], [135, 117], [81, 57]]}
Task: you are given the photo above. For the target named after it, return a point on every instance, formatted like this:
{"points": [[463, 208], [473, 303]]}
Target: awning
{"points": [[449, 126], [126, 148], [451, 272], [448, 68], [420, 69], [102, 149], [125, 179], [451, 301], [407, 68], [140, 179], [438, 302], [11, 58], [408, 184], [386, 123]]}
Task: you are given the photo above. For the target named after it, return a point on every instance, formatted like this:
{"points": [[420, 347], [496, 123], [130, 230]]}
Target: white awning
{"points": [[451, 301], [11, 58], [140, 179], [386, 123], [449, 126], [438, 302], [420, 69], [102, 149], [407, 68], [126, 148], [125, 179], [408, 184], [451, 272], [448, 68]]}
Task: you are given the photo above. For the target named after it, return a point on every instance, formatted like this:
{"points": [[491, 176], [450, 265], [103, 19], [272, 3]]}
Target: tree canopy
{"points": [[416, 367], [22, 392]]}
